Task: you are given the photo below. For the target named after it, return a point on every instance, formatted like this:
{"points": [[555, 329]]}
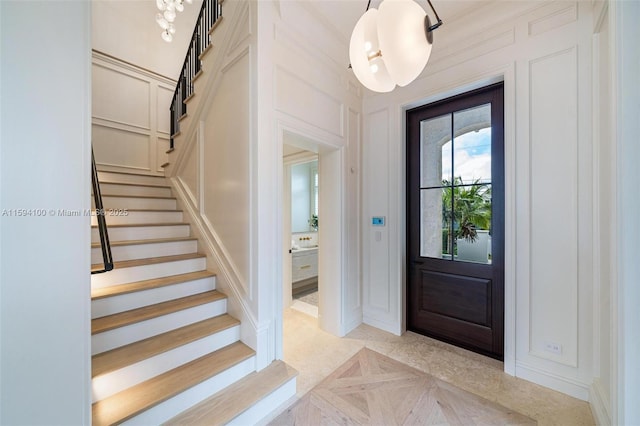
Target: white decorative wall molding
{"points": [[599, 404], [130, 104]]}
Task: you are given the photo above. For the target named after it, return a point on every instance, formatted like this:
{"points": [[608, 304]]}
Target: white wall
{"points": [[542, 52], [301, 196], [44, 260], [130, 116]]}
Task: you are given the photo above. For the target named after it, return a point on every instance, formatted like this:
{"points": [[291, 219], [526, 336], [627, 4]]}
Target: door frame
{"points": [[494, 94], [331, 256], [505, 74]]}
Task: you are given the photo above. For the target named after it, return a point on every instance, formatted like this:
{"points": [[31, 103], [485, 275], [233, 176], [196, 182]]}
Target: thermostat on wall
{"points": [[377, 221]]}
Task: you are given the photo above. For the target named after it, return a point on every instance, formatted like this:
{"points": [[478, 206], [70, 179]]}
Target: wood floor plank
{"points": [[117, 290], [235, 399], [130, 354], [110, 322], [132, 401]]}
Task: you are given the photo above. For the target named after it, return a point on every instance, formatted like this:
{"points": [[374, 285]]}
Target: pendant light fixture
{"points": [[168, 12], [391, 45]]}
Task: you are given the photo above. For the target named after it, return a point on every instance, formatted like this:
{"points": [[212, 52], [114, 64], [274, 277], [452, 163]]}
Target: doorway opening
{"points": [[301, 202], [324, 218]]}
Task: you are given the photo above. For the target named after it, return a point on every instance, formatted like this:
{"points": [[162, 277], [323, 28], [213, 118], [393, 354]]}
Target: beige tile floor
{"points": [[316, 354]]}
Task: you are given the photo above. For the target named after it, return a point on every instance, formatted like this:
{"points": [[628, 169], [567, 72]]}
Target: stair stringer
{"points": [[227, 276]]}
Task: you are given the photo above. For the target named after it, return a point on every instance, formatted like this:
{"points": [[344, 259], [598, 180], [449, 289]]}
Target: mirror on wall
{"points": [[304, 196]]}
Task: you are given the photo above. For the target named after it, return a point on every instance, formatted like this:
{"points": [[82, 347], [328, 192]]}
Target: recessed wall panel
{"points": [[115, 147], [554, 199], [120, 97], [377, 177], [300, 99]]}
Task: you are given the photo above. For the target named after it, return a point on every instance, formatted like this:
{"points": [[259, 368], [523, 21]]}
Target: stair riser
{"points": [[119, 380], [275, 401], [150, 191], [129, 233], [125, 217], [145, 251], [147, 272], [174, 406], [138, 299], [110, 202], [132, 333], [125, 178]]}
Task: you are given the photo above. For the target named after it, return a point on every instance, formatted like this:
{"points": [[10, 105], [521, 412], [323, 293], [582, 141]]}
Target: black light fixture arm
{"points": [[437, 24]]}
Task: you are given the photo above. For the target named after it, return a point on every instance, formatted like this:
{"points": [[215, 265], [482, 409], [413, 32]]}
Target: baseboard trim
{"points": [[549, 380], [599, 405], [391, 328]]}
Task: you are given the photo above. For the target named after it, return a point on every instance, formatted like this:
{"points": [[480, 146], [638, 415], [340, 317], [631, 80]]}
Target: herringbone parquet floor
{"points": [[372, 389]]}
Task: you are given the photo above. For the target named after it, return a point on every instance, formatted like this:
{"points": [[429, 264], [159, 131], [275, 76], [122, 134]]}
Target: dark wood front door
{"points": [[455, 220]]}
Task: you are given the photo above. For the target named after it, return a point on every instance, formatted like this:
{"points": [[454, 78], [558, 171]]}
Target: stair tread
{"points": [[152, 197], [224, 406], [130, 225], [152, 185], [110, 322], [116, 290], [132, 401], [131, 174], [145, 241], [151, 260], [145, 210], [123, 356]]}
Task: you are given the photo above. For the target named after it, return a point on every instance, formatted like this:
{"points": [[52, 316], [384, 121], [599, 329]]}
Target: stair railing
{"points": [[107, 260], [210, 12]]}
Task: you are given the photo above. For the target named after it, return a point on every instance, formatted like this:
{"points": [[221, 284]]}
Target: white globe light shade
{"points": [[161, 21], [368, 67], [403, 39], [161, 5], [166, 36], [170, 15], [179, 6]]}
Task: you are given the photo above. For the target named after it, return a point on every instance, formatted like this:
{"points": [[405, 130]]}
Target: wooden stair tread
{"points": [[152, 197], [132, 401], [146, 241], [131, 174], [131, 225], [151, 260], [143, 210], [232, 401], [123, 356], [152, 185], [117, 290], [110, 322]]}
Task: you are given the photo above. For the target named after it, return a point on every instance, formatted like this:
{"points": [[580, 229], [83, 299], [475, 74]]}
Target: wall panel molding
{"points": [[553, 276], [129, 102]]}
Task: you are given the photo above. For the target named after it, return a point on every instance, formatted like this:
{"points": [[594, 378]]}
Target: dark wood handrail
{"points": [[210, 12], [107, 259]]}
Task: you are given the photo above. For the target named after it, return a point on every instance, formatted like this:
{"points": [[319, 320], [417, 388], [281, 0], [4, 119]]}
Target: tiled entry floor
{"points": [[316, 354]]}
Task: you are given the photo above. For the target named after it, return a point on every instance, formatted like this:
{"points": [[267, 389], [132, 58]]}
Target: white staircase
{"points": [[162, 341]]}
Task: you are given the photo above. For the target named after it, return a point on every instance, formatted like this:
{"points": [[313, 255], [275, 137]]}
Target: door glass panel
{"points": [[435, 151], [436, 239], [455, 192], [472, 223], [472, 145]]}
